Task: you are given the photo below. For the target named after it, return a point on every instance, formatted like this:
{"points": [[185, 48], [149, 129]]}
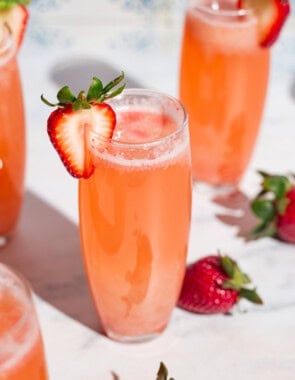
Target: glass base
{"points": [[132, 339]]}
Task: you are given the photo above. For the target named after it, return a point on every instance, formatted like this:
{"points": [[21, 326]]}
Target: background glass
{"points": [[12, 137], [21, 347], [223, 83]]}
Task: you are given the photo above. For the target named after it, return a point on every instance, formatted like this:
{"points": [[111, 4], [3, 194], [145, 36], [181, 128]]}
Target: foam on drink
{"points": [[146, 130], [231, 30]]}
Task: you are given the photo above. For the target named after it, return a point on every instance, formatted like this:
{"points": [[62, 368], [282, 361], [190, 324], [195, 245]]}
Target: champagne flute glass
{"points": [[135, 215], [223, 83]]}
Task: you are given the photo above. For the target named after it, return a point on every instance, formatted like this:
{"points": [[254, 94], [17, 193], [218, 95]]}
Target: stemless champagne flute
{"points": [[223, 82], [21, 347], [12, 136], [135, 215]]}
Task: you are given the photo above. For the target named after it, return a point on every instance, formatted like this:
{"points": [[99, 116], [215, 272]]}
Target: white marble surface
{"points": [[69, 41]]}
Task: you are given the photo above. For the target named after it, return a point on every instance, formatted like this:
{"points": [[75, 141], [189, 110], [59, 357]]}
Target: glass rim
{"points": [[221, 12], [181, 125], [26, 287]]}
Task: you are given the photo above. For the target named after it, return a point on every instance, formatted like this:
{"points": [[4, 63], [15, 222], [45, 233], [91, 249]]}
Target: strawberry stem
{"points": [[97, 93]]}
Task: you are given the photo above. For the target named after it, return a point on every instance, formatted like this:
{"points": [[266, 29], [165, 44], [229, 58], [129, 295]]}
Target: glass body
{"points": [[12, 138], [21, 347], [135, 216], [223, 83]]}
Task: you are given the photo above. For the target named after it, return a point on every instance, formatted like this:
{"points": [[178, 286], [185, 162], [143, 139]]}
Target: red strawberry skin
{"points": [[286, 222], [66, 129], [24, 16], [282, 10], [271, 16], [202, 290]]}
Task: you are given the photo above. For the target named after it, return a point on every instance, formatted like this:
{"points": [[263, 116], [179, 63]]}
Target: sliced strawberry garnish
{"points": [[67, 125], [66, 129], [271, 16], [16, 19]]}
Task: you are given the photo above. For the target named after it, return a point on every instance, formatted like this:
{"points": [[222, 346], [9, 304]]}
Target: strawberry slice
{"points": [[66, 129], [16, 18], [271, 16], [67, 125]]}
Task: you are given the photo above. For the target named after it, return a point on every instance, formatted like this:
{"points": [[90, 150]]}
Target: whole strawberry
{"points": [[214, 284], [275, 207]]}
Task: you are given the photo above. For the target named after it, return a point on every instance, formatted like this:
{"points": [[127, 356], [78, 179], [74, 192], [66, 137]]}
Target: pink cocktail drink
{"points": [[21, 347], [12, 135], [135, 215], [223, 83]]}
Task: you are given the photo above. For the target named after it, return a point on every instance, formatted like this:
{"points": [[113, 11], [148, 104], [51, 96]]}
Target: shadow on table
{"points": [[78, 72], [237, 212], [46, 250]]}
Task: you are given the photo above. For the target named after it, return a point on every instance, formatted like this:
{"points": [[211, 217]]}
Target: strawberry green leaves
{"points": [[238, 280], [97, 93], [8, 4], [271, 202]]}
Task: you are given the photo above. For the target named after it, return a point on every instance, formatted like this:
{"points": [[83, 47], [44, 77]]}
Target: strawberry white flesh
{"points": [[66, 129], [271, 16], [16, 18]]}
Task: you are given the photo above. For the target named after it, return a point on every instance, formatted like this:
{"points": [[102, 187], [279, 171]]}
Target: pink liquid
{"points": [[12, 146], [223, 82], [134, 220], [21, 347]]}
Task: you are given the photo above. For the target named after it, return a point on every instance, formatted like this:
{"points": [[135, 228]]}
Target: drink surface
{"points": [[12, 146], [142, 127], [21, 349], [223, 82], [134, 219]]}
